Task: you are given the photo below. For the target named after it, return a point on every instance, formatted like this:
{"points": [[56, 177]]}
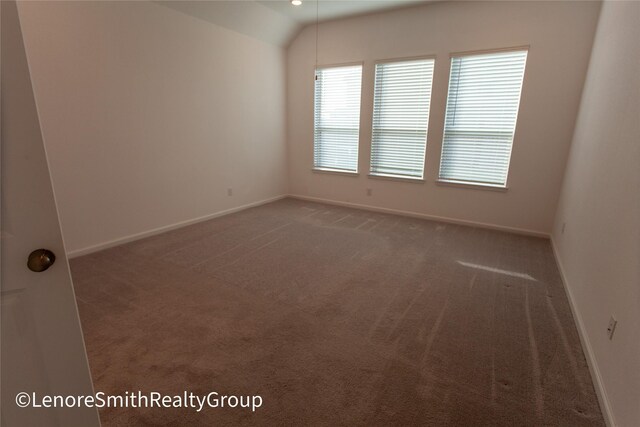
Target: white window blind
{"points": [[400, 117], [482, 107], [337, 118]]}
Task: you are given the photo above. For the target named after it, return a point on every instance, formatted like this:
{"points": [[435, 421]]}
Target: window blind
{"points": [[402, 96], [337, 118], [482, 107]]}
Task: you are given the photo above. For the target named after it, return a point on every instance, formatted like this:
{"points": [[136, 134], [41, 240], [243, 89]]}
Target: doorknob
{"points": [[40, 259]]}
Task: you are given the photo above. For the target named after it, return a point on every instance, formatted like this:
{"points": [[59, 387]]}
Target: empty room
{"points": [[320, 212]]}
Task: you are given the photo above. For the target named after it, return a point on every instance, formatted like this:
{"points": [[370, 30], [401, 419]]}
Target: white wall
{"points": [[599, 250], [149, 115], [560, 35]]}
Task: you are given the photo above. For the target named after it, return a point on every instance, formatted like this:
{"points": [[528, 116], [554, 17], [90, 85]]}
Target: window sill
{"points": [[335, 172], [397, 178], [460, 184]]}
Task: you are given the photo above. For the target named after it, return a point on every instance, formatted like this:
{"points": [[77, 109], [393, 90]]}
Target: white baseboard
{"points": [[601, 392], [137, 236], [424, 216]]}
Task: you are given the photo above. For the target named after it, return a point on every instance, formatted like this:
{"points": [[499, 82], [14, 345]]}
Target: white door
{"points": [[42, 350]]}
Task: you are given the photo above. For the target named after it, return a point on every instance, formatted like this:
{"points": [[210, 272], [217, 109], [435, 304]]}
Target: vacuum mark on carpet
{"points": [[535, 360], [567, 347], [272, 230], [434, 331]]}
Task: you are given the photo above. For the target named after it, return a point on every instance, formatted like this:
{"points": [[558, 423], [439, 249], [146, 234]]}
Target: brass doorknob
{"points": [[40, 259]]}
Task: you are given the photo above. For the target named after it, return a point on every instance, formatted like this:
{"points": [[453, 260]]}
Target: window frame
{"points": [[332, 171], [392, 177], [474, 184]]}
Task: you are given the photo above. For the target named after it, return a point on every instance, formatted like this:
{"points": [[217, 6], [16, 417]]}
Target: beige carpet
{"points": [[336, 316]]}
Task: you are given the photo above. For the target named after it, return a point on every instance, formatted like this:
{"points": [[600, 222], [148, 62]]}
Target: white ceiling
{"points": [[333, 9], [243, 16], [278, 21]]}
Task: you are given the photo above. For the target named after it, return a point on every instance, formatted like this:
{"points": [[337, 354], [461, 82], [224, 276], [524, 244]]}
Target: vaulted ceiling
{"points": [[332, 9], [278, 21]]}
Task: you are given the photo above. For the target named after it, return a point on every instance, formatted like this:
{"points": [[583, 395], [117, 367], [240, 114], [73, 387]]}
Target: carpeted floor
{"points": [[336, 316]]}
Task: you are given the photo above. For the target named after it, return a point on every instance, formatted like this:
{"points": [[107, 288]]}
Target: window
{"points": [[337, 118], [482, 107], [400, 117]]}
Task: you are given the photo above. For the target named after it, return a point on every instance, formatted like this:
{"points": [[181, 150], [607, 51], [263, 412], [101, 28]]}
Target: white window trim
{"points": [[479, 185], [471, 186], [374, 175], [404, 58], [489, 51], [335, 171], [317, 67], [388, 177]]}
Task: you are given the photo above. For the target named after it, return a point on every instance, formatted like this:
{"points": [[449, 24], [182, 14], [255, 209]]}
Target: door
{"points": [[42, 350]]}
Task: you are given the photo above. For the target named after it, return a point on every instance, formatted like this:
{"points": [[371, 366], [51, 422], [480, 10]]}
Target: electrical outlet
{"points": [[229, 191], [564, 224], [612, 327], [369, 192]]}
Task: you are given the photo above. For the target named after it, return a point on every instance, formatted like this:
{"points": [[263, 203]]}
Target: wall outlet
{"points": [[612, 327], [564, 224], [229, 191], [369, 192]]}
